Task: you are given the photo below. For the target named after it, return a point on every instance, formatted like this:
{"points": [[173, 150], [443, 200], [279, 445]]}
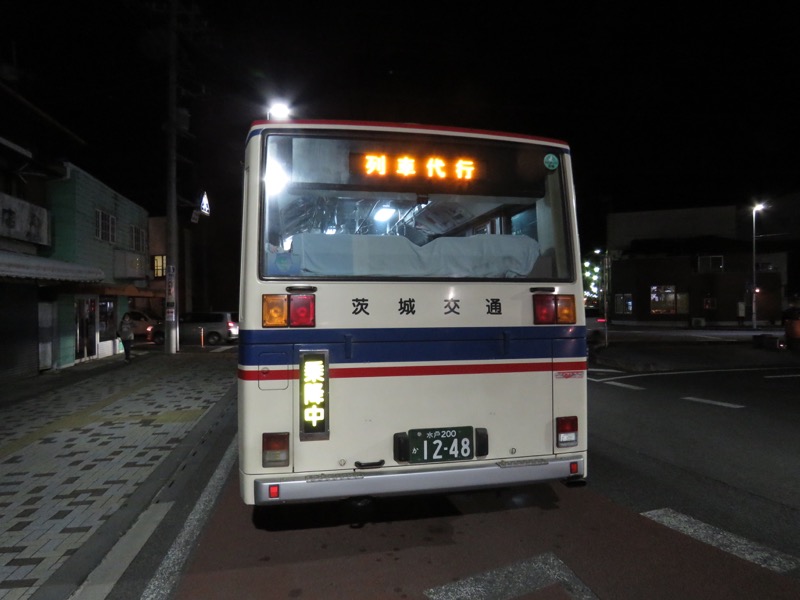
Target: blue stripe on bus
{"points": [[264, 347]]}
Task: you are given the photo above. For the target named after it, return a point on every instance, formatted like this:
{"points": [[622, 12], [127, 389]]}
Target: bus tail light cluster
{"points": [[288, 310], [566, 432], [554, 309], [275, 449]]}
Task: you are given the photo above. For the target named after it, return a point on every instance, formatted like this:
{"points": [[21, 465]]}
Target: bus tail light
{"points": [[275, 310], [275, 449], [288, 310], [554, 309], [566, 432], [301, 310]]}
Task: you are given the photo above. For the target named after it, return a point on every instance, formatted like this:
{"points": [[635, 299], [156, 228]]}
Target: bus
{"points": [[411, 312]]}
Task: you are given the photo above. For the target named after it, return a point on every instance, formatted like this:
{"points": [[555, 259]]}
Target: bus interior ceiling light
{"points": [[384, 214]]}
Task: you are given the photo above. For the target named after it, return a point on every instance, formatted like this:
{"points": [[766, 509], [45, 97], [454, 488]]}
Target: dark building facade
{"points": [[694, 268]]}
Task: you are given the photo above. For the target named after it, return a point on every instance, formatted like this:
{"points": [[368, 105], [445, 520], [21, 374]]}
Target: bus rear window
{"points": [[396, 206]]}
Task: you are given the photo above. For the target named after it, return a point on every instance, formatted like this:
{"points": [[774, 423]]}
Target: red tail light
{"points": [[553, 309], [544, 309], [275, 449], [288, 310], [566, 432], [301, 310]]}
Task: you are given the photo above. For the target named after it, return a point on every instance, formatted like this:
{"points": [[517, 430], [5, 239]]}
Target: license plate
{"points": [[441, 444]]}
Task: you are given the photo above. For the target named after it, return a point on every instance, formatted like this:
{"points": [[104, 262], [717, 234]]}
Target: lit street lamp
{"points": [[756, 208], [279, 111]]}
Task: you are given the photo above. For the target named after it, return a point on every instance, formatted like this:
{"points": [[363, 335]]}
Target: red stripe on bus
{"points": [[419, 370]]}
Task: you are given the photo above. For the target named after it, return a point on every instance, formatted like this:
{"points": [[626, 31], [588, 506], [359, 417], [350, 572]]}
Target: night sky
{"points": [[664, 106]]}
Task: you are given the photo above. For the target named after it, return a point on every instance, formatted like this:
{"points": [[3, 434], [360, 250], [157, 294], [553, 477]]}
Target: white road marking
{"points": [[781, 376], [713, 402], [732, 544], [514, 581], [223, 349], [690, 372], [105, 576], [627, 386], [164, 581]]}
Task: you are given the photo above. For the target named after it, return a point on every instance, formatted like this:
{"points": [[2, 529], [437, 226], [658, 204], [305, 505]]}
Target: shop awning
{"points": [[27, 266]]}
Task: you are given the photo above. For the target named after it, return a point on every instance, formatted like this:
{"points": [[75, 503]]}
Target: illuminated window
{"points": [[623, 304], [663, 300], [160, 265]]}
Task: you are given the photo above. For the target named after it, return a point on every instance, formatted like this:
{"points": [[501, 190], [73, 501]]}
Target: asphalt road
{"points": [[719, 445], [689, 496]]}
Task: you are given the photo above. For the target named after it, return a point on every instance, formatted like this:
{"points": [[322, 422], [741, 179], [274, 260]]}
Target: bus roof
{"points": [[385, 126]]}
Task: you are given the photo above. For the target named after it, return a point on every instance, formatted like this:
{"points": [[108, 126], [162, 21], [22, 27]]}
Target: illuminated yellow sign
{"points": [[314, 403], [430, 167]]}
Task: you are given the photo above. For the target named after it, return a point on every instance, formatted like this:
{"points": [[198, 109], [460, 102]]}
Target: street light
{"points": [[279, 111], [756, 208]]}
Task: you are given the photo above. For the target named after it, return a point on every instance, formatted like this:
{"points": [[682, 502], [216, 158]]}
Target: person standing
{"points": [[125, 333]]}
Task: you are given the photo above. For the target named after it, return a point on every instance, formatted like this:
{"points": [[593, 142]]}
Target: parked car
{"points": [[141, 321], [595, 325], [211, 327]]}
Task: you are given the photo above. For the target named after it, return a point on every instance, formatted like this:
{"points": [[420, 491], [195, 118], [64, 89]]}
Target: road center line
{"points": [[713, 402]]}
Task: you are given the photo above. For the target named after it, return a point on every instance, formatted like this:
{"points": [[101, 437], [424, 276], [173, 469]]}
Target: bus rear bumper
{"points": [[409, 480]]}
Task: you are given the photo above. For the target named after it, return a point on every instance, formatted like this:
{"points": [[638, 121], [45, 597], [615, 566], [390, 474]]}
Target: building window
{"points": [[138, 239], [663, 300], [160, 265], [105, 226], [710, 264], [623, 304]]}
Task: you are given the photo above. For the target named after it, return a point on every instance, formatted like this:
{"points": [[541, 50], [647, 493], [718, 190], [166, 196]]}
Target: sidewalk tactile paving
{"points": [[71, 457]]}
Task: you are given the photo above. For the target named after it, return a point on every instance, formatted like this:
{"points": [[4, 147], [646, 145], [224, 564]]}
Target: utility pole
{"points": [[171, 291]]}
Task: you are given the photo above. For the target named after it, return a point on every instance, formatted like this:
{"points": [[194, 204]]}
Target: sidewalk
{"points": [[80, 445], [653, 350]]}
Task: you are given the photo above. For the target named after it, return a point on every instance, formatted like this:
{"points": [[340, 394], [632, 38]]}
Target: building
{"points": [[73, 252], [694, 267], [69, 265]]}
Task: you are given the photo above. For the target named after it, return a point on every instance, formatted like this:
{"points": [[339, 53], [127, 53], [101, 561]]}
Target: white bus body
{"points": [[411, 313]]}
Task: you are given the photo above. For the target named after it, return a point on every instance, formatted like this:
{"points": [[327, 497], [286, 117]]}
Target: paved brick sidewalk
{"points": [[74, 448]]}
